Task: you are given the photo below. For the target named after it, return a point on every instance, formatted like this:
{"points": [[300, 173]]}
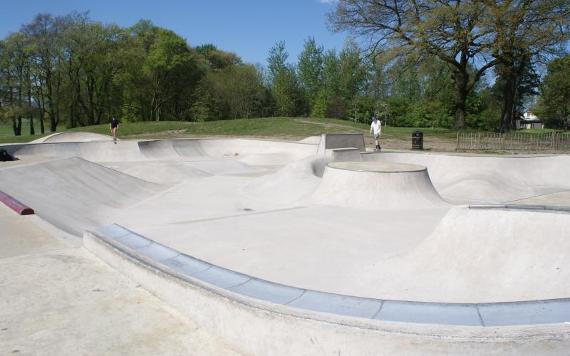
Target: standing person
{"points": [[114, 126], [376, 131]]}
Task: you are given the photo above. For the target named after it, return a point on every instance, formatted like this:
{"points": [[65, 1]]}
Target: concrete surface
{"points": [[275, 211], [263, 327], [56, 299]]}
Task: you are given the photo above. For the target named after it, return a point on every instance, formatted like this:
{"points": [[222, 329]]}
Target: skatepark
{"points": [[317, 246]]}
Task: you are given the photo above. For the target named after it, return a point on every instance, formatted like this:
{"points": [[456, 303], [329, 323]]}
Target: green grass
{"points": [[265, 127], [7, 133]]}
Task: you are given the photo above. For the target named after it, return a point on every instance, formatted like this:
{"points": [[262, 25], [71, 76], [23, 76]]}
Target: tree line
{"points": [[425, 66], [470, 37]]}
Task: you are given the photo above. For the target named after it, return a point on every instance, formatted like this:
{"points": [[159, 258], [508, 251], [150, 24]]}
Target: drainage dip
{"points": [[379, 167]]}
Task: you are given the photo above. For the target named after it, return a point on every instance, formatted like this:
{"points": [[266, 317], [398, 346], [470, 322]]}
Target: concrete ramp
{"points": [[73, 137], [483, 256], [375, 185], [95, 151], [488, 179], [251, 152], [292, 183], [74, 194]]}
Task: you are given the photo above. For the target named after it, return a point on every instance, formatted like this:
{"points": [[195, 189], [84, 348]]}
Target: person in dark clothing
{"points": [[114, 126]]}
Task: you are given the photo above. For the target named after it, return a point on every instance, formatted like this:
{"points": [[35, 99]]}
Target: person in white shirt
{"points": [[376, 131]]}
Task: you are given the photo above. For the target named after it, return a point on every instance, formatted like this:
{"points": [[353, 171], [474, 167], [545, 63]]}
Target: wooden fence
{"points": [[515, 141]]}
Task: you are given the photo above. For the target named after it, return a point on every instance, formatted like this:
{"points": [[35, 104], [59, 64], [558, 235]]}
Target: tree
{"points": [[218, 59], [160, 74], [524, 32], [284, 83], [287, 93], [516, 80], [448, 30], [554, 103], [233, 92], [277, 60], [310, 68], [44, 33], [15, 62], [329, 102], [352, 71], [168, 58], [90, 65]]}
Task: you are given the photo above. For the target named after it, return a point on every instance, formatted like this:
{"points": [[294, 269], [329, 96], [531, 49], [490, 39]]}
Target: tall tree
{"points": [[44, 33], [448, 30], [277, 60], [284, 82], [329, 102], [310, 68], [524, 32], [353, 72]]}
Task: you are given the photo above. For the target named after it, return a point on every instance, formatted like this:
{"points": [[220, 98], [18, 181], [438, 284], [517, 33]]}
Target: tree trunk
{"points": [[461, 82], [32, 130], [42, 126], [17, 125], [508, 105]]}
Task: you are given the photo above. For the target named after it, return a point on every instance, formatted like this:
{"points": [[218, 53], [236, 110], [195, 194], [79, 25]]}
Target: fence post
{"points": [[457, 142]]}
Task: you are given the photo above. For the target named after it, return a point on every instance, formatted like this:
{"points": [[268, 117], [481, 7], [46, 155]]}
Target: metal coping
{"points": [[189, 268], [377, 167], [559, 208]]}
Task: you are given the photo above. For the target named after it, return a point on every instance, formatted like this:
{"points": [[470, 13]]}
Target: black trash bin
{"points": [[417, 140]]}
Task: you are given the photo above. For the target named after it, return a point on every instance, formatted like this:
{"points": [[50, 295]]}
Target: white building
{"points": [[529, 121]]}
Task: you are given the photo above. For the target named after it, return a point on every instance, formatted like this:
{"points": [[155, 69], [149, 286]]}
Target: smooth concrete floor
{"points": [[57, 299], [232, 209]]}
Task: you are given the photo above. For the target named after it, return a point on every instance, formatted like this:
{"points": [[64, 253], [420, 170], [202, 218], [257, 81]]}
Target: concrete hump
{"points": [[377, 185]]}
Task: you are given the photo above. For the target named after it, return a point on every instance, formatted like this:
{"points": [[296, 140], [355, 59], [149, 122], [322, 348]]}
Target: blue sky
{"points": [[248, 27]]}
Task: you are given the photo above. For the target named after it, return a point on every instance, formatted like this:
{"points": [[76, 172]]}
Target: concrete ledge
{"points": [[343, 140], [344, 154], [15, 205], [261, 317]]}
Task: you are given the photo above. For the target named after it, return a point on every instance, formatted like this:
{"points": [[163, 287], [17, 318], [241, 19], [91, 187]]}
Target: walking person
{"points": [[376, 131], [114, 126]]}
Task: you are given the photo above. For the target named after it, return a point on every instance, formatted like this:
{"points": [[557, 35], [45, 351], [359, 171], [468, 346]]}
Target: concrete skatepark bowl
{"points": [[316, 246]]}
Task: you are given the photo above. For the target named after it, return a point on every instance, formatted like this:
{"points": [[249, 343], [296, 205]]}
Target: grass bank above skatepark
{"points": [[293, 128]]}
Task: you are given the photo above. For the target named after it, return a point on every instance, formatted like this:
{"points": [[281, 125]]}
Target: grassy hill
{"points": [[279, 128]]}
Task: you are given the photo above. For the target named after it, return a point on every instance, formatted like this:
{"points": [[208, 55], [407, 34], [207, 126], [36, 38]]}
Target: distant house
{"points": [[529, 121]]}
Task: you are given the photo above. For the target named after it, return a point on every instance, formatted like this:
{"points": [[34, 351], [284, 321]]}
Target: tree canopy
{"points": [[469, 36], [424, 64]]}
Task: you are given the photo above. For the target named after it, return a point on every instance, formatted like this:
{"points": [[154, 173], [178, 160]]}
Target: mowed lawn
{"points": [[286, 128]]}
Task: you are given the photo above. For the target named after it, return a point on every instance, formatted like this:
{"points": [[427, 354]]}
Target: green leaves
{"points": [[554, 104]]}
